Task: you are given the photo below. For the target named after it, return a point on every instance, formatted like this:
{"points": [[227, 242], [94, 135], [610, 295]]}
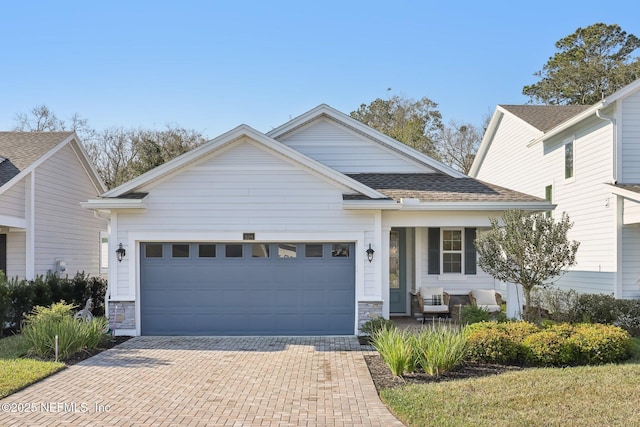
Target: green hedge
{"points": [[19, 296], [553, 345]]}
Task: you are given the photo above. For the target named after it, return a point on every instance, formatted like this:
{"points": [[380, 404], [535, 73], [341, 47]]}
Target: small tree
{"points": [[528, 250]]}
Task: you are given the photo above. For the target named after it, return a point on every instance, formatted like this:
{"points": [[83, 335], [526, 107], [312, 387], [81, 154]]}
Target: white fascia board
{"points": [[100, 204], [230, 137], [624, 92], [360, 127], [568, 123], [88, 165], [13, 221], [371, 205], [628, 194], [487, 139], [478, 206]]}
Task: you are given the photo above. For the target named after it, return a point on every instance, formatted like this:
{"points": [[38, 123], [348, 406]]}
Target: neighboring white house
{"points": [[254, 234], [43, 178], [586, 160]]}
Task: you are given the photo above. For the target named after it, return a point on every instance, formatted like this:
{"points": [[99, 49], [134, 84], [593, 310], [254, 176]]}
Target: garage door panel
{"points": [[248, 295]]}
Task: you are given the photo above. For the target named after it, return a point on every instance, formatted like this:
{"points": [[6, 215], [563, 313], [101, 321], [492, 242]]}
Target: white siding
{"points": [[16, 254], [631, 212], [630, 132], [63, 229], [631, 262], [585, 198], [12, 200], [509, 162], [347, 151], [247, 188]]}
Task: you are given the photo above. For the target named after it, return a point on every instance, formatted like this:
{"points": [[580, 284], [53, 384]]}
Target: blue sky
{"points": [[212, 65]]}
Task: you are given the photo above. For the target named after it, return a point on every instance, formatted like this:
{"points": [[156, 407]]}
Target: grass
{"points": [[580, 396], [17, 371]]}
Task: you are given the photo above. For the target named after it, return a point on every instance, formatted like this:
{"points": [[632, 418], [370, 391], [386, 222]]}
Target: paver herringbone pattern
{"points": [[208, 381]]}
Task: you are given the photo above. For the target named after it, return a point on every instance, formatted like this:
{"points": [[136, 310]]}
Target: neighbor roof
{"points": [[439, 188], [21, 149], [545, 117]]}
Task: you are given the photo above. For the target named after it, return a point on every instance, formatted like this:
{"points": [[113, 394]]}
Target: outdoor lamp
{"points": [[120, 252], [370, 252]]}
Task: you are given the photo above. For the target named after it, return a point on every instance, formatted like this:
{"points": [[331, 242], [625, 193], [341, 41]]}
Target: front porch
{"points": [[436, 257]]}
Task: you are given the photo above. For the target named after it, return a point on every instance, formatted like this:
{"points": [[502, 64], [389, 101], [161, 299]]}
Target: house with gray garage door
{"points": [[310, 229]]}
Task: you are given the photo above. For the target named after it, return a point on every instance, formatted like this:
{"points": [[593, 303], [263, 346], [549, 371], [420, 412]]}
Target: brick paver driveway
{"points": [[208, 381]]}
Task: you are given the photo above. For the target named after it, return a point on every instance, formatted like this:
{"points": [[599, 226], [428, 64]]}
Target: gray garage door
{"points": [[247, 289]]}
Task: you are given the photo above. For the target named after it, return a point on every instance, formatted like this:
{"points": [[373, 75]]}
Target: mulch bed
{"points": [[85, 354], [382, 377]]}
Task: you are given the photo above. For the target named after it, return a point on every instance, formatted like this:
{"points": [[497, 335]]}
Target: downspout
{"points": [[617, 284], [612, 120]]}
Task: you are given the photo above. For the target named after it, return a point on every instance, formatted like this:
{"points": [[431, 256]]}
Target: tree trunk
{"points": [[528, 315]]}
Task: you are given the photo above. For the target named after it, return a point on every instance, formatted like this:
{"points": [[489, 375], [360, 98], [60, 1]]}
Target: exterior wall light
{"points": [[370, 252], [120, 252]]}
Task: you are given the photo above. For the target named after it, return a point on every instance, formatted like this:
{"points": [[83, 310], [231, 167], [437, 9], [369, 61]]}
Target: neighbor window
{"points": [[568, 159], [452, 251], [548, 195]]}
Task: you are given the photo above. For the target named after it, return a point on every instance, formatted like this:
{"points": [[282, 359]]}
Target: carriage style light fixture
{"points": [[370, 252], [120, 252]]}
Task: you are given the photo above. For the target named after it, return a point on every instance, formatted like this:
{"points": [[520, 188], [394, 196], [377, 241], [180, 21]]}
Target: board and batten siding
{"points": [[12, 201], [348, 151], [246, 188], [630, 133], [63, 229]]}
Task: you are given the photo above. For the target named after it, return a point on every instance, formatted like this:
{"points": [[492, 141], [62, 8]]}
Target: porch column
{"points": [[384, 271]]}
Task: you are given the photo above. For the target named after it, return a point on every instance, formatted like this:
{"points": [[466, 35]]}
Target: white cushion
{"points": [[491, 308], [484, 297], [435, 308]]}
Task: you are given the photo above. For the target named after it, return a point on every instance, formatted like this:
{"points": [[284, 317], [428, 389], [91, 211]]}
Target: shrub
{"points": [[373, 326], [559, 304], [20, 296], [629, 316], [488, 342], [395, 348], [471, 313], [597, 344], [549, 347], [596, 308], [439, 349], [44, 323]]}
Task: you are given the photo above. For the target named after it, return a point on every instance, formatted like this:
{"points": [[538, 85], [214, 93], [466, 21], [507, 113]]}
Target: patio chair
{"points": [[432, 301], [487, 299]]}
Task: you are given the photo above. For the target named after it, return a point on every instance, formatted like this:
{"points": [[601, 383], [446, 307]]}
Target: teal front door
{"points": [[397, 272]]}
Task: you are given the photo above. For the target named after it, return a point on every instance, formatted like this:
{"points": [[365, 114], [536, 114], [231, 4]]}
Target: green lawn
{"points": [[580, 396], [17, 371]]}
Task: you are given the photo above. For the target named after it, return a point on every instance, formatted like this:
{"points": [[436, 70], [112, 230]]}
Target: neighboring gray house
{"points": [[43, 178], [586, 160], [272, 234]]}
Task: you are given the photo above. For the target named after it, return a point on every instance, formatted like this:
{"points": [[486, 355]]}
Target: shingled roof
{"points": [[545, 117], [430, 187], [21, 149]]}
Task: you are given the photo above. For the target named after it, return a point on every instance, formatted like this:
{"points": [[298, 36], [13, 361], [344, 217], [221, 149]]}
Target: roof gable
{"points": [[20, 150], [225, 142], [371, 135], [545, 117]]}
